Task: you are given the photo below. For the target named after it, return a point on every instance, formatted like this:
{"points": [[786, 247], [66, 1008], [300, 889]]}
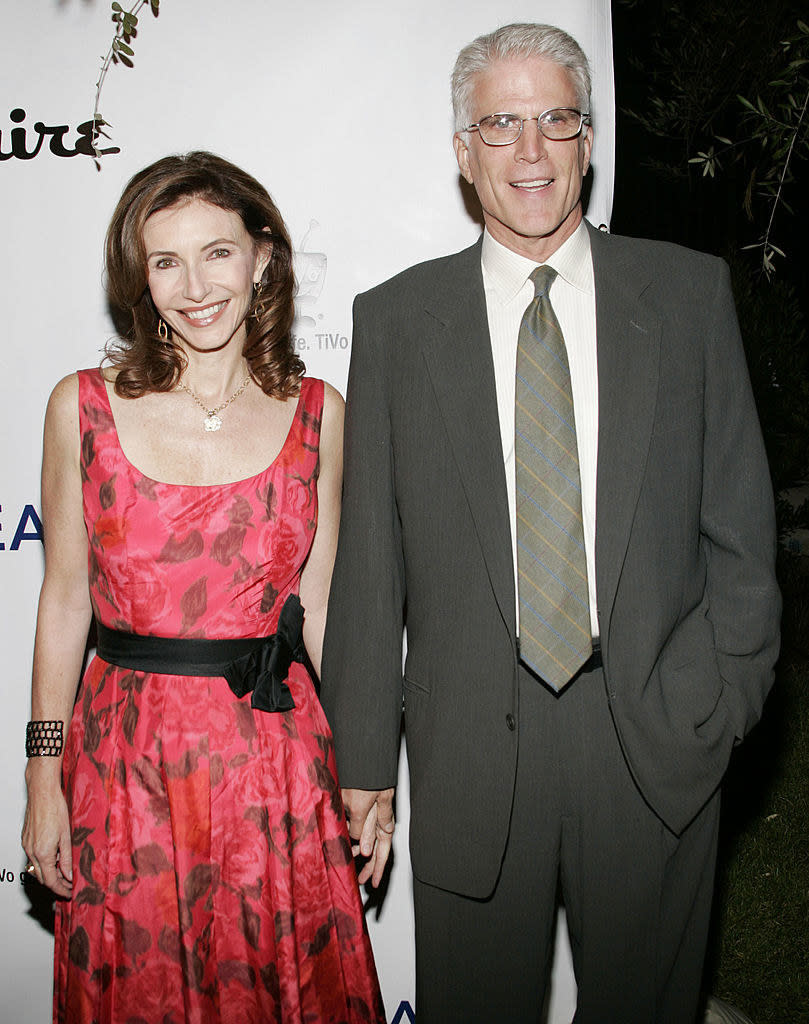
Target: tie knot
{"points": [[542, 278]]}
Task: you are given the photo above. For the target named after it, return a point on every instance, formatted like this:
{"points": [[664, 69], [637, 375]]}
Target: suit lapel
{"points": [[459, 361], [628, 343]]}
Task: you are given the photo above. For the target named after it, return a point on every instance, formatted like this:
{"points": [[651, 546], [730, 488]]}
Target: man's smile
{"points": [[534, 185]]}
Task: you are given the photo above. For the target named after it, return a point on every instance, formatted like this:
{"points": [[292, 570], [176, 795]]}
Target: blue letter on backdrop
{"points": [[29, 514]]}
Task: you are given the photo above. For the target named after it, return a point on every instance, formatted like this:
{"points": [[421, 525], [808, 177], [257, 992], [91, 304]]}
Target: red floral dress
{"points": [[213, 877]]}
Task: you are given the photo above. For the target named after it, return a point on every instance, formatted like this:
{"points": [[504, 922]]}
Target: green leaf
{"points": [[126, 61], [117, 7], [122, 47], [803, 27]]}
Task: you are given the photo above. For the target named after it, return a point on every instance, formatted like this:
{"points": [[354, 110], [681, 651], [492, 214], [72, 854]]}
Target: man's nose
{"points": [[532, 144]]}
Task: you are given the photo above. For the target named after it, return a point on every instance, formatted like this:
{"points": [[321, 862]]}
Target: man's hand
{"points": [[369, 815]]}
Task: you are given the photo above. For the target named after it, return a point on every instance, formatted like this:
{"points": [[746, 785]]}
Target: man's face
{"points": [[530, 191]]}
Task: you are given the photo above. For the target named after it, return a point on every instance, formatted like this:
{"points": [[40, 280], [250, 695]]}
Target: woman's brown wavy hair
{"points": [[144, 361]]}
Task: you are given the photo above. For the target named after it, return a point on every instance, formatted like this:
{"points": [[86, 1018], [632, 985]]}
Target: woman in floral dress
{"points": [[186, 809]]}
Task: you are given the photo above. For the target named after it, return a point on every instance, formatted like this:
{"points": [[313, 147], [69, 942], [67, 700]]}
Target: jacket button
{"points": [[510, 722]]}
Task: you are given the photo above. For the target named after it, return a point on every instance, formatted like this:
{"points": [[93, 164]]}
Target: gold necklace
{"points": [[212, 421]]}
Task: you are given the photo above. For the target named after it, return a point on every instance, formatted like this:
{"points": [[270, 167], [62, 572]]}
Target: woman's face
{"points": [[201, 265]]}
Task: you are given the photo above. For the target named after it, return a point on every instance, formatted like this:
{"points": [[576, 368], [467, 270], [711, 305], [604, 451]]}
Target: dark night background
{"points": [[679, 71]]}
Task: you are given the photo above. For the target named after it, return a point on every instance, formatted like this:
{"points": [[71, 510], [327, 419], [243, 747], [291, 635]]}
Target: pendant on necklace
{"points": [[212, 422]]}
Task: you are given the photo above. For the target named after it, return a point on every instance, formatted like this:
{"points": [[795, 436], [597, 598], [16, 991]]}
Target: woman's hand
{"points": [[369, 817], [46, 828]]}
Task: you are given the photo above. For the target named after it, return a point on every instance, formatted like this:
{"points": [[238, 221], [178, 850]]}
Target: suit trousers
{"points": [[637, 897]]}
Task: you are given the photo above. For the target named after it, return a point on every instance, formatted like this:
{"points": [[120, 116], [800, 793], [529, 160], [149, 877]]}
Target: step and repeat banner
{"points": [[367, 183]]}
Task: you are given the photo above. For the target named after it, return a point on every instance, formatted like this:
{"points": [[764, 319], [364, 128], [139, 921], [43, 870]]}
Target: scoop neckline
{"points": [[219, 486]]}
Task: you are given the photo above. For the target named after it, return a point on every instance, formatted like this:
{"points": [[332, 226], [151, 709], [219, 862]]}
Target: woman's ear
{"points": [[263, 254]]}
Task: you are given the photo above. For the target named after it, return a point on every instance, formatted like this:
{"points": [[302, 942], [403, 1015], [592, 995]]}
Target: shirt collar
{"points": [[506, 271]]}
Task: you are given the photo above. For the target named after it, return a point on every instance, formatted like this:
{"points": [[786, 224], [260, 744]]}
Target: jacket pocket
{"points": [[414, 686]]}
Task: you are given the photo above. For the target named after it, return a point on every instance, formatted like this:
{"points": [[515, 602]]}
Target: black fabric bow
{"points": [[264, 670]]}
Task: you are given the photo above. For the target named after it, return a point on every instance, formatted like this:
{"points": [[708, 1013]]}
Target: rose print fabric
{"points": [[213, 877]]}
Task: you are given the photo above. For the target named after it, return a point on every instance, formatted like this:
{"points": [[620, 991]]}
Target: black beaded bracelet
{"points": [[43, 739]]}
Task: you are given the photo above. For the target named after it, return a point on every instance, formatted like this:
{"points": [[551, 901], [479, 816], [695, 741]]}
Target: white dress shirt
{"points": [[508, 293]]}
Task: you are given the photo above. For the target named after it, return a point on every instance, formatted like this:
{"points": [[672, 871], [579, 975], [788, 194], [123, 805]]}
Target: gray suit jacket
{"points": [[685, 542]]}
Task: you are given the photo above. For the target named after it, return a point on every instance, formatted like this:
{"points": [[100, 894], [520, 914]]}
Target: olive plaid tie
{"points": [[555, 636]]}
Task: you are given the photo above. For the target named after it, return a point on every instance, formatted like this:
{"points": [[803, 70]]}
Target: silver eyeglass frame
{"points": [[584, 119]]}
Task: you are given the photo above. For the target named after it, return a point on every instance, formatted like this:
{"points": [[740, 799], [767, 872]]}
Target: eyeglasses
{"points": [[558, 124]]}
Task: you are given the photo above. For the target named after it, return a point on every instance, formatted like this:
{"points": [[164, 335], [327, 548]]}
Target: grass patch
{"points": [[759, 949]]}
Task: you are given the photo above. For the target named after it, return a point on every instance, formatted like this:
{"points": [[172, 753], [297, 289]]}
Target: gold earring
{"points": [[258, 308], [163, 330]]}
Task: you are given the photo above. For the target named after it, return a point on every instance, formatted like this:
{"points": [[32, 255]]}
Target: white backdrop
{"points": [[370, 187]]}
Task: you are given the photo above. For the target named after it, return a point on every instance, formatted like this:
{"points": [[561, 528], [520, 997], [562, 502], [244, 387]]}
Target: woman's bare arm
{"points": [[316, 576], [63, 620]]}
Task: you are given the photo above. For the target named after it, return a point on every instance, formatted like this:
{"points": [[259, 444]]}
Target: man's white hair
{"points": [[518, 42]]}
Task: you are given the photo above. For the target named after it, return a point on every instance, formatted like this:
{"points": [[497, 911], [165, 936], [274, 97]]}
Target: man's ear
{"points": [[462, 156], [587, 147]]}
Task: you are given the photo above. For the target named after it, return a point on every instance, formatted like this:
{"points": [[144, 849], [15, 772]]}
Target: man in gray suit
{"points": [[582, 552]]}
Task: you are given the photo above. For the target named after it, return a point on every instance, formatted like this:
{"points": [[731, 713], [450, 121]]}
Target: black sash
{"points": [[257, 665]]}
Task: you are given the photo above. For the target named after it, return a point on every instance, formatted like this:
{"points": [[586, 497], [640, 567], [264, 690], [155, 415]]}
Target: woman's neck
{"points": [[214, 376]]}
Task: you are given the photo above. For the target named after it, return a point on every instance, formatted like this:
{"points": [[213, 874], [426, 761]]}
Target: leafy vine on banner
{"points": [[120, 52]]}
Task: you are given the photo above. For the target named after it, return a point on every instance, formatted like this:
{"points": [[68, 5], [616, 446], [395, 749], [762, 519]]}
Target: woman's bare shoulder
{"points": [[64, 401], [332, 400]]}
